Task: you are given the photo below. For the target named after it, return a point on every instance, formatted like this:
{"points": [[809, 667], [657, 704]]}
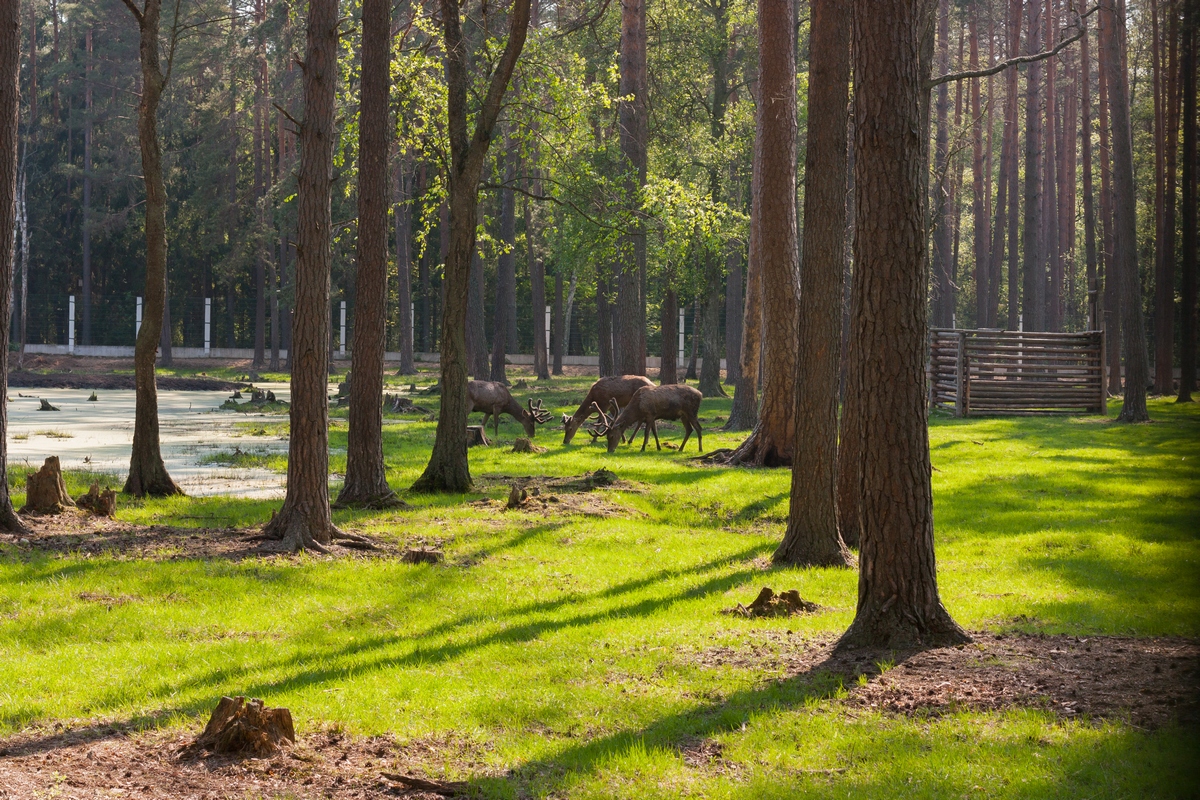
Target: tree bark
{"points": [[1164, 304], [1112, 298], [943, 281], [147, 473], [503, 335], [1089, 205], [1053, 291], [448, 470], [743, 414], [1112, 27], [537, 286], [1033, 289], [404, 204], [1187, 328], [733, 317], [982, 233], [478, 351], [633, 126], [710, 369], [1012, 104], [604, 329], [558, 329], [898, 603], [772, 440], [668, 371], [10, 70], [812, 537], [87, 193], [697, 333], [366, 476], [304, 521]]}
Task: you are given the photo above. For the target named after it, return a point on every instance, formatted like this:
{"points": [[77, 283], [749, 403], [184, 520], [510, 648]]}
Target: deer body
{"points": [[494, 399], [618, 388], [671, 402]]}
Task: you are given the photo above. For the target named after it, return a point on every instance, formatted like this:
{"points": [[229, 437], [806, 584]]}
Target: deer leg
{"points": [[653, 428], [687, 432], [496, 421], [646, 438], [699, 436]]}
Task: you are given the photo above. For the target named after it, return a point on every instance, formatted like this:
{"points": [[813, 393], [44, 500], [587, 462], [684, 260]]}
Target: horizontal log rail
{"points": [[1016, 372]]}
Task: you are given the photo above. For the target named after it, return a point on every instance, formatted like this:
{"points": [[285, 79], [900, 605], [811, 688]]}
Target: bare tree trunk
{"points": [[1164, 314], [1012, 103], [478, 351], [537, 287], [1033, 288], [771, 442], [558, 330], [1112, 298], [448, 470], [812, 537], [24, 212], [147, 473], [1112, 26], [849, 445], [697, 332], [733, 317], [506, 270], [710, 369], [366, 476], [1089, 206], [604, 323], [404, 204], [633, 126], [305, 521], [943, 284], [743, 414], [982, 234], [166, 358], [669, 360], [1187, 328], [87, 197], [898, 603], [10, 70], [1053, 291]]}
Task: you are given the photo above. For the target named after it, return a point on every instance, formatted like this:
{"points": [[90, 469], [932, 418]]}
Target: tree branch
{"points": [[1015, 60], [136, 13]]}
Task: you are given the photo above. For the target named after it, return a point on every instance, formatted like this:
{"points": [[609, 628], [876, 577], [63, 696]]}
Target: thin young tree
{"points": [[1124, 260], [10, 70], [771, 442], [812, 537], [898, 601], [448, 470], [147, 472], [366, 476]]}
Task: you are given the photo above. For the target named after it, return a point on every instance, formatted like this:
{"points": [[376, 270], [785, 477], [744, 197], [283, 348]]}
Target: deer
{"points": [[651, 403], [604, 392], [494, 399]]}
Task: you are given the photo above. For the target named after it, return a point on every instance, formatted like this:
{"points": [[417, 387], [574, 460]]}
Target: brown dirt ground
{"points": [[82, 534], [1148, 682], [551, 496]]}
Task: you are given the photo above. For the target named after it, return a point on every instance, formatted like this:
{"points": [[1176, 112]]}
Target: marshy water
{"points": [[98, 436]]}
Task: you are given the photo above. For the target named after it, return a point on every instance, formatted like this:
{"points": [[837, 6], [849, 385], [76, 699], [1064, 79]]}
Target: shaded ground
{"points": [[1149, 682], [81, 534], [73, 380]]}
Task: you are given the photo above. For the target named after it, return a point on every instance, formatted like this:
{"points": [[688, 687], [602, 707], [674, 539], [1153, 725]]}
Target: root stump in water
{"points": [[45, 492], [47, 407], [238, 725], [102, 504]]}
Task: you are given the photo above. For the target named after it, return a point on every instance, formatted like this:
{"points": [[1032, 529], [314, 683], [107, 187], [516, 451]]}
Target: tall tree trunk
{"points": [[812, 537], [404, 204], [24, 219], [1012, 102], [697, 332], [771, 442], [503, 335], [479, 353], [558, 332], [1053, 291], [1124, 217], [633, 127], [448, 470], [1188, 221], [1089, 206], [604, 317], [943, 284], [537, 286], [147, 473], [10, 71], [366, 476], [304, 521], [1164, 314], [87, 193], [1033, 289], [1068, 165], [982, 234], [1112, 298], [849, 445], [710, 369], [733, 317], [743, 414], [166, 357], [898, 603], [668, 370]]}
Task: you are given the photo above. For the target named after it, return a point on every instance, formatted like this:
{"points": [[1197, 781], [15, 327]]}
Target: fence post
{"points": [[342, 339], [137, 326], [207, 327], [961, 379], [71, 323]]}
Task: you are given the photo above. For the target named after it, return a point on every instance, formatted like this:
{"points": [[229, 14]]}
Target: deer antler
{"points": [[540, 415]]}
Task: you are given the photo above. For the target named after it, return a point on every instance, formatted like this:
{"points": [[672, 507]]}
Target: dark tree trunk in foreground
{"points": [[1187, 328], [448, 470], [147, 473], [404, 203], [1112, 26], [10, 69], [812, 534], [366, 477], [304, 521], [771, 442], [898, 603], [668, 370], [943, 281]]}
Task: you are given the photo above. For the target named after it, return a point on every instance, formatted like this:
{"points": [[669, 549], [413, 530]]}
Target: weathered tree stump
{"points": [[523, 445], [46, 406], [45, 492], [516, 496], [769, 604], [93, 398], [102, 504], [238, 725], [422, 555], [476, 436]]}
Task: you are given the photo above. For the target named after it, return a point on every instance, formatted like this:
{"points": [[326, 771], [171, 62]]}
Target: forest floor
{"points": [[580, 647]]}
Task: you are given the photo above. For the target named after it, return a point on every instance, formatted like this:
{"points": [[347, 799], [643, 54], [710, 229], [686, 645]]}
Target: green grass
{"points": [[566, 648]]}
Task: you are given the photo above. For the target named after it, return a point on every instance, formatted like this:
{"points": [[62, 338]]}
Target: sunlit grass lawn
{"points": [[565, 648]]}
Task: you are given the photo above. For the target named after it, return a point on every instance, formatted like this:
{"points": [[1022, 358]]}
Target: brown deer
{"points": [[494, 399], [673, 401], [618, 388]]}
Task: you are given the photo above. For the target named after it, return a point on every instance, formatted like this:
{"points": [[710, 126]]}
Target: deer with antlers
{"points": [[617, 389], [649, 404], [494, 399]]}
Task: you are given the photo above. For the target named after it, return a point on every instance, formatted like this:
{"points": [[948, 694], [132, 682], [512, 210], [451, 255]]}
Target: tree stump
{"points": [[516, 496], [422, 555], [102, 504], [523, 445], [241, 726], [476, 436], [46, 406], [45, 492]]}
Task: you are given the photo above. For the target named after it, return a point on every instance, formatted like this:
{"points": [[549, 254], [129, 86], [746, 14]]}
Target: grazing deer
{"points": [[673, 401], [615, 388], [494, 399]]}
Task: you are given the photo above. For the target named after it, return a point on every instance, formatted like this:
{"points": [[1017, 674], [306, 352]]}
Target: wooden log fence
{"points": [[973, 372]]}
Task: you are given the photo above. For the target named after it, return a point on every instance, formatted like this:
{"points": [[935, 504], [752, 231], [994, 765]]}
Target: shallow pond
{"points": [[99, 436]]}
